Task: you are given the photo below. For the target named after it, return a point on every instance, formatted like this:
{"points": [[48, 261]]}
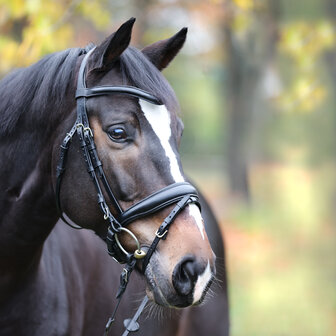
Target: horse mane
{"points": [[34, 92], [31, 91]]}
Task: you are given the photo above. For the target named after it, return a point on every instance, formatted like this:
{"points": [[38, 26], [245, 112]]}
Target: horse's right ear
{"points": [[108, 51]]}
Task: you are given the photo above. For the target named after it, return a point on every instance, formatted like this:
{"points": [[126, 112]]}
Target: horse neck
{"points": [[27, 203]]}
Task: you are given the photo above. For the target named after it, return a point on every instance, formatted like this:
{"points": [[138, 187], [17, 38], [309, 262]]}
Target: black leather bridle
{"points": [[178, 194]]}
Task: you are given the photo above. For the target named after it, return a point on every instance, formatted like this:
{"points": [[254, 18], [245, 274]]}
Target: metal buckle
{"points": [[125, 274], [106, 212], [160, 236], [85, 128]]}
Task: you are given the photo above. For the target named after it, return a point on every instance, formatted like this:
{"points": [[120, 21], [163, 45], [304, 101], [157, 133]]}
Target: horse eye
{"points": [[118, 134]]}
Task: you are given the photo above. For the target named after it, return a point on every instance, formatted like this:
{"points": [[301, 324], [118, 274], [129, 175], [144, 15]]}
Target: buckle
{"points": [[160, 236], [85, 128]]}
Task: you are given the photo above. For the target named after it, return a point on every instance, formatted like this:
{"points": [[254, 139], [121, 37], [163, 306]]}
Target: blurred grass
{"points": [[280, 249]]}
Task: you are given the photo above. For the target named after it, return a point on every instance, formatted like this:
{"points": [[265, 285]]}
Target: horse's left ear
{"points": [[162, 52]]}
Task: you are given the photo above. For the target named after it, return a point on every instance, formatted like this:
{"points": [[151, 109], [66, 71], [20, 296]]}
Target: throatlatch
{"points": [[179, 194]]}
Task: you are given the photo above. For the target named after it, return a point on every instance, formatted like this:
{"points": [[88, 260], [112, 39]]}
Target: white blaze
{"points": [[159, 119], [195, 212], [202, 283]]}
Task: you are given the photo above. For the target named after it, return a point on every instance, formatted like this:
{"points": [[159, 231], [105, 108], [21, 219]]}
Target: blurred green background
{"points": [[257, 84]]}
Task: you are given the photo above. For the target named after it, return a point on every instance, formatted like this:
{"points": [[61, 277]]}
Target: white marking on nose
{"points": [[195, 212], [202, 283], [159, 118]]}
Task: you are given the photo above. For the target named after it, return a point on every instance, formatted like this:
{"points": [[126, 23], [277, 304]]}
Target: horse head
{"points": [[137, 142]]}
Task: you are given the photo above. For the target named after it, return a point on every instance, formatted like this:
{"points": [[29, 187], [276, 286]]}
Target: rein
{"points": [[180, 194]]}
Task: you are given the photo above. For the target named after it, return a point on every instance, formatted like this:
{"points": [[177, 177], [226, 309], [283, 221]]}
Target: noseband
{"points": [[178, 194]]}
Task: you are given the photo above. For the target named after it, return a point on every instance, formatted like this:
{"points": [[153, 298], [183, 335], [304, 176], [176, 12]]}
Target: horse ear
{"points": [[108, 51], [162, 52]]}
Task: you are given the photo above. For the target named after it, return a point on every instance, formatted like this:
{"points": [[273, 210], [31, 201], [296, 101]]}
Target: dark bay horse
{"points": [[58, 281]]}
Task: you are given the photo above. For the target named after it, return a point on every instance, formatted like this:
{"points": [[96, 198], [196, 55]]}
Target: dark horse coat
{"points": [[58, 281]]}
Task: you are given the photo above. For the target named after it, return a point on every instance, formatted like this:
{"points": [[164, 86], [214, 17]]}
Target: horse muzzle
{"points": [[185, 286]]}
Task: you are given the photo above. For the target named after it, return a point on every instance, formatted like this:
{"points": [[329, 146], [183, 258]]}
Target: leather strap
{"points": [[157, 201], [162, 232], [113, 248], [60, 169], [127, 90], [132, 325]]}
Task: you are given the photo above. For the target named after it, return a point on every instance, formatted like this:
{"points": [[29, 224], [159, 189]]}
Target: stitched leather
{"points": [[157, 201], [127, 90], [164, 227]]}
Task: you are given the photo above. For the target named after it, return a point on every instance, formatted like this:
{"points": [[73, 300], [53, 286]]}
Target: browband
{"points": [[126, 90]]}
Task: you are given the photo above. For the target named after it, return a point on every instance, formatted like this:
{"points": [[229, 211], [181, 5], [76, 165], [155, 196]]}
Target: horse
{"points": [[91, 136]]}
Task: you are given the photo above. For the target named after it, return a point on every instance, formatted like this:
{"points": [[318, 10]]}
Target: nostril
{"points": [[189, 270], [185, 275]]}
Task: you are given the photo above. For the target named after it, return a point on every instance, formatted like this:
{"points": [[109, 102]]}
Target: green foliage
{"points": [[305, 43], [33, 28]]}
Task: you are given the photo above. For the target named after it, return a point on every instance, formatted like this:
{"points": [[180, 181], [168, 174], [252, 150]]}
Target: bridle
{"points": [[178, 194]]}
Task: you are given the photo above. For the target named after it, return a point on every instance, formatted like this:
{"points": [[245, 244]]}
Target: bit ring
{"points": [[138, 253]]}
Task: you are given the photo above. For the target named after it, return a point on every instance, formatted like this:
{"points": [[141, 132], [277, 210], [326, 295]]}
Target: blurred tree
{"points": [[250, 35], [305, 43], [331, 63]]}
